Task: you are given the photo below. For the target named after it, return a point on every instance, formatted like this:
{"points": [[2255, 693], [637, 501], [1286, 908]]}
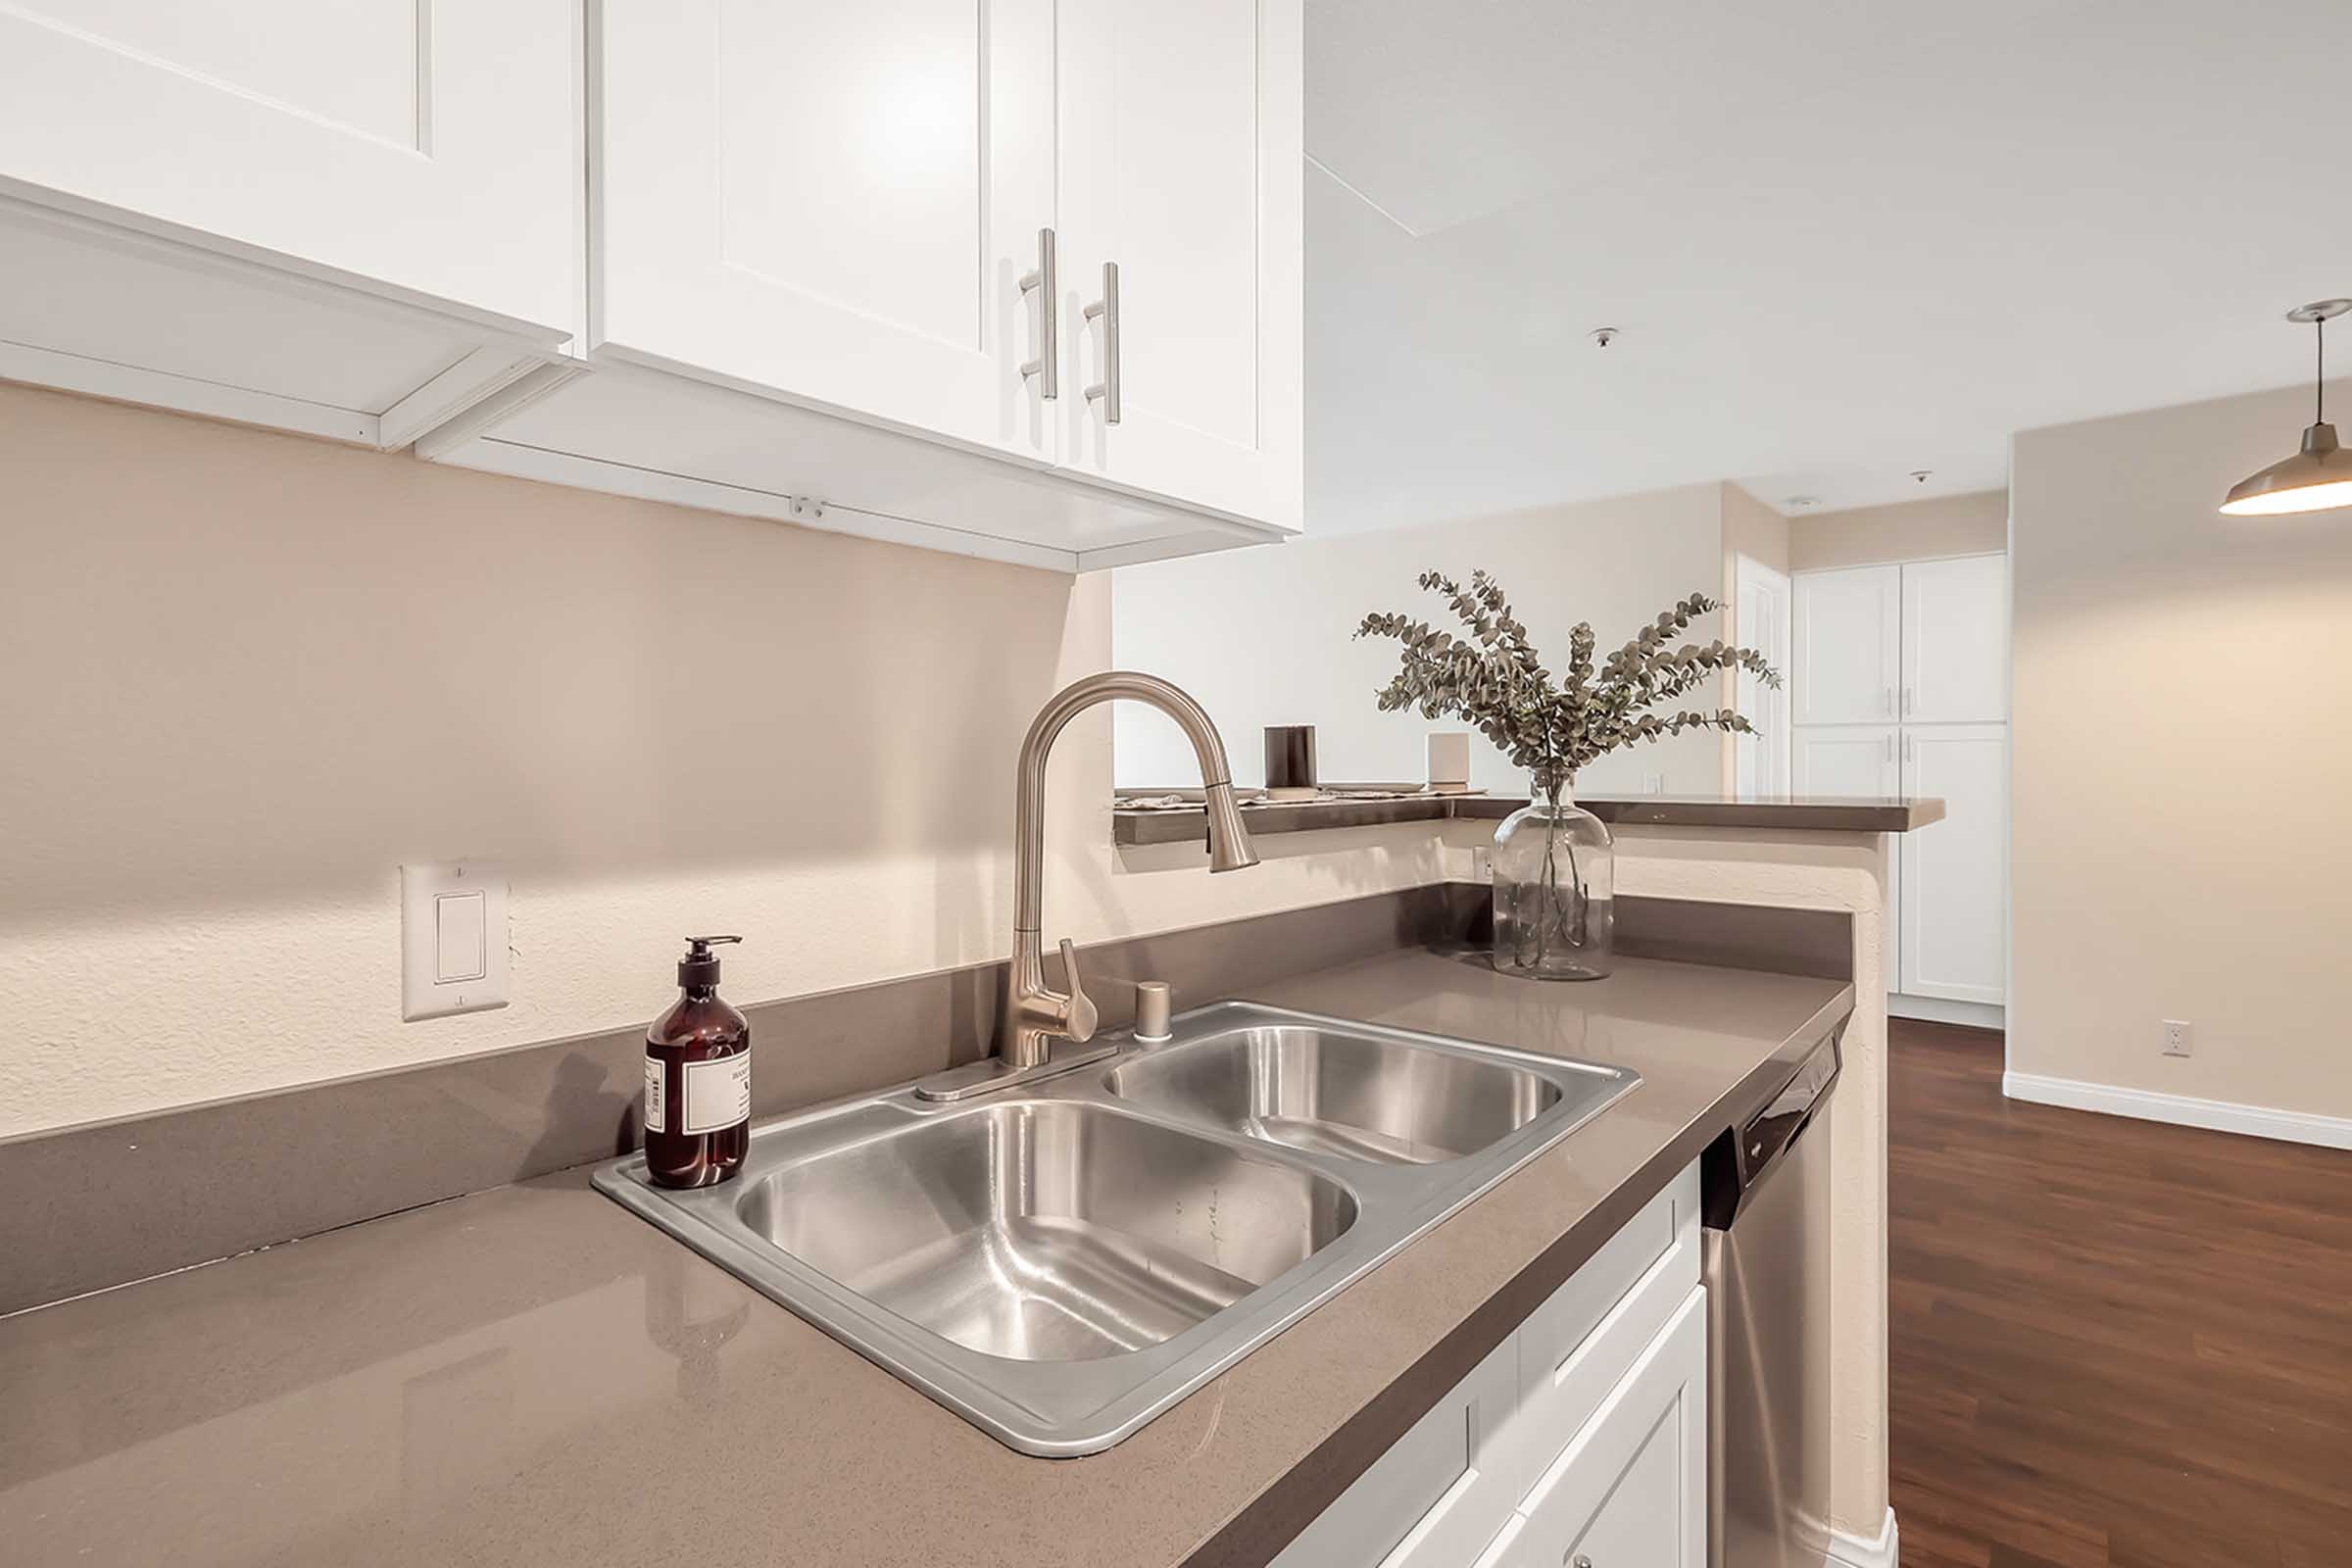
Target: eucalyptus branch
{"points": [[1554, 728]]}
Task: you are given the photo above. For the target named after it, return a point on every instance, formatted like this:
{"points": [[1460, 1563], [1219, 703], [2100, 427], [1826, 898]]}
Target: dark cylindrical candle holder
{"points": [[1290, 762]]}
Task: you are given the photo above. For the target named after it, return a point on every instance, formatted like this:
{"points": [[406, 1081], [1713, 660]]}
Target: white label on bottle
{"points": [[656, 1097], [719, 1093]]}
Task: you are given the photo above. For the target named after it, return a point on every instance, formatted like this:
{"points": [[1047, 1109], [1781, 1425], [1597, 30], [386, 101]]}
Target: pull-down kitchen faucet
{"points": [[1037, 1018]]}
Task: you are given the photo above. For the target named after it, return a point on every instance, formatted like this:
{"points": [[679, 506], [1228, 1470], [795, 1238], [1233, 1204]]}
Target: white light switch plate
{"points": [[452, 939]]}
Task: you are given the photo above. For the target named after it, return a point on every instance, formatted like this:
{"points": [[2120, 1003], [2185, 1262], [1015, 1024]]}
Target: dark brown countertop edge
{"points": [[1819, 814], [1255, 1535]]}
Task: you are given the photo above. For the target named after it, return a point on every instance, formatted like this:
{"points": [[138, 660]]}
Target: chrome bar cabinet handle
{"points": [[1106, 390], [1047, 366]]}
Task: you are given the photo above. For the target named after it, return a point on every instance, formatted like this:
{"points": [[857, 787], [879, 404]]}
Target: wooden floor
{"points": [[2115, 1344]]}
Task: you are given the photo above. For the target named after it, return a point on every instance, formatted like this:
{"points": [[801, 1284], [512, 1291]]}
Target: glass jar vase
{"points": [[1554, 878]]}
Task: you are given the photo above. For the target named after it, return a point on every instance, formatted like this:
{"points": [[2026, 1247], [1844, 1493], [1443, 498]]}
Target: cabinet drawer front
{"points": [[1437, 1497], [1630, 1490], [1575, 1348]]}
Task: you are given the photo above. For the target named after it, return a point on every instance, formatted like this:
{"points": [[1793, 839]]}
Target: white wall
{"points": [[1264, 636], [2182, 768], [1972, 524], [247, 675]]}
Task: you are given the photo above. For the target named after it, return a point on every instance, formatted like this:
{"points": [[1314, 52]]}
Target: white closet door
{"points": [[1846, 759], [834, 204], [1956, 641], [1955, 874], [1847, 646], [1180, 154]]}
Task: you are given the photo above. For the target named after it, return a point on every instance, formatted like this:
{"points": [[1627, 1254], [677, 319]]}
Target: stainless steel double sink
{"points": [[1061, 1264]]}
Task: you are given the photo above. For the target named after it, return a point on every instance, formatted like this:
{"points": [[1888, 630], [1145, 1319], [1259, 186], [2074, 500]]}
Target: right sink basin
{"points": [[1359, 1096]]}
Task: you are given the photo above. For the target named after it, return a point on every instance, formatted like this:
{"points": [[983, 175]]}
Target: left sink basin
{"points": [[1030, 1231]]}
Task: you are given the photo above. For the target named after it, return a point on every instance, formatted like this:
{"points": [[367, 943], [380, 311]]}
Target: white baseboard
{"points": [[1935, 1009], [2221, 1115], [1854, 1551]]}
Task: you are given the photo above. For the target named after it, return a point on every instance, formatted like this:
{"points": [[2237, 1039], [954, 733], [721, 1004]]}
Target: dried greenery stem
{"points": [[1554, 727]]}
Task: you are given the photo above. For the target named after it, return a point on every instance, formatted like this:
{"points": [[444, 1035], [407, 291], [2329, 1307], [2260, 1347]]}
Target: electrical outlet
{"points": [[1654, 783], [2178, 1041], [1481, 864]]}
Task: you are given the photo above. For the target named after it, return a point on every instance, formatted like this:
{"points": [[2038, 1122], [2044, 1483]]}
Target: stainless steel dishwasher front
{"points": [[1765, 1204]]}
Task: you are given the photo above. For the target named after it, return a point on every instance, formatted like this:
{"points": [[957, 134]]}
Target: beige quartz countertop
{"points": [[533, 1376]]}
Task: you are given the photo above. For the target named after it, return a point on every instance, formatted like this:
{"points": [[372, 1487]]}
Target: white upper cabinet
{"points": [[1181, 217], [1845, 646], [1956, 641], [427, 148], [287, 211], [848, 267], [842, 264], [833, 204]]}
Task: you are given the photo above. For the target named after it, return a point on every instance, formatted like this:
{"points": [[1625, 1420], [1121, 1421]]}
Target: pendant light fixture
{"points": [[2318, 478]]}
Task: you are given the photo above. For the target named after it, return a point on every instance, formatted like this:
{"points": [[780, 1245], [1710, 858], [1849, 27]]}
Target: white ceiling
{"points": [[1844, 239]]}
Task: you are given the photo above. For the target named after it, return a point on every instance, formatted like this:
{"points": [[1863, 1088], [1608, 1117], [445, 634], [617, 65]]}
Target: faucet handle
{"points": [[1080, 1017]]}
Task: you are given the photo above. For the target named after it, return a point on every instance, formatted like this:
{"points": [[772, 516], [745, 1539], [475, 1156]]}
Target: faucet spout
{"points": [[1035, 1016]]}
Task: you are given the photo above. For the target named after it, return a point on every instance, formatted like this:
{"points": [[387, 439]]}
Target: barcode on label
{"points": [[656, 1097]]}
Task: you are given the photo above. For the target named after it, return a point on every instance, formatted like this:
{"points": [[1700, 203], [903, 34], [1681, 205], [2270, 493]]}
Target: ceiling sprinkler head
{"points": [[1922, 475], [1804, 502], [1603, 336]]}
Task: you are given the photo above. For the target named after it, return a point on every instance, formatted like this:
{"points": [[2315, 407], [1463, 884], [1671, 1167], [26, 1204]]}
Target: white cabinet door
{"points": [[1180, 153], [1632, 1488], [1845, 760], [431, 149], [1437, 1495], [1955, 892], [1845, 649], [1956, 641], [833, 204]]}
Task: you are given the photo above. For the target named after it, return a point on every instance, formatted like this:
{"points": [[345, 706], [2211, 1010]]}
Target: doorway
{"points": [[1760, 619]]}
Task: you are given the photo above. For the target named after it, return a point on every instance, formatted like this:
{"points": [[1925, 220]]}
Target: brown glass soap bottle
{"points": [[698, 1080]]}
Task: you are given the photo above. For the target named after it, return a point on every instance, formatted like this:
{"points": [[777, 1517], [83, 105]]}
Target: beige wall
{"points": [[248, 675], [1913, 530], [1265, 636], [2175, 669], [1752, 529]]}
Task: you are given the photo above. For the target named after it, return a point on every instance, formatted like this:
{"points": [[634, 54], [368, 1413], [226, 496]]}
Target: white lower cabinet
{"points": [[1631, 1491], [1583, 1433]]}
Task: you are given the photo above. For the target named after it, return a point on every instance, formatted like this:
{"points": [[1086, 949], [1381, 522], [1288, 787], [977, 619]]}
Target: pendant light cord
{"points": [[2320, 371]]}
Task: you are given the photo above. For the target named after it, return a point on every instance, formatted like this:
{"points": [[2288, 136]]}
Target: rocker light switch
{"points": [[458, 937], [452, 939]]}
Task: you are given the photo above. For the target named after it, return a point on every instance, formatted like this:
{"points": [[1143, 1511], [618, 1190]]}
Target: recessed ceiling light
{"points": [[1804, 502], [2318, 477]]}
